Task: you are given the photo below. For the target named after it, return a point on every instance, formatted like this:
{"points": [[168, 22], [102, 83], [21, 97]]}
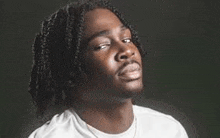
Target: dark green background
{"points": [[182, 74]]}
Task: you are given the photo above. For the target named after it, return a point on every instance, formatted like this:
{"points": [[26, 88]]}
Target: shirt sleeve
{"points": [[33, 135], [182, 132]]}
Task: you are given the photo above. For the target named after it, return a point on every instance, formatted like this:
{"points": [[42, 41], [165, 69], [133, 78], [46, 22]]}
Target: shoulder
{"points": [[158, 122], [147, 114], [143, 111], [55, 126]]}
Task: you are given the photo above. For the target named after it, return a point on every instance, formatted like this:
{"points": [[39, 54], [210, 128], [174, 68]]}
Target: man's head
{"points": [[112, 60], [68, 47]]}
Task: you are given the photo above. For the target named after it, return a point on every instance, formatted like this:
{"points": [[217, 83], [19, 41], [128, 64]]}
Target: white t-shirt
{"points": [[147, 123]]}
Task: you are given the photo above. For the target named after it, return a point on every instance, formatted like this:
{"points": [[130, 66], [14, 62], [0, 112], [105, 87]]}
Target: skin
{"points": [[114, 73]]}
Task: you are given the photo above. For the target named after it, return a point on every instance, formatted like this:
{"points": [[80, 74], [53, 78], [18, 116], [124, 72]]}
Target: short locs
{"points": [[56, 62]]}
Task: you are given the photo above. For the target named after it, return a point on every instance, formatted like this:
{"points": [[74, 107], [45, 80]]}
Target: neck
{"points": [[110, 118]]}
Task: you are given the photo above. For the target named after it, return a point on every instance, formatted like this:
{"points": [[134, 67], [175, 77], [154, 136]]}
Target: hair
{"points": [[57, 49]]}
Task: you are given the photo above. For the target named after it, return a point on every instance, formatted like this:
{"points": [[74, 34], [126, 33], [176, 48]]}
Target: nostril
{"points": [[125, 53], [123, 57]]}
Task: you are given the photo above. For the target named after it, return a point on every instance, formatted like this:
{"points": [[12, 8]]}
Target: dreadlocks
{"points": [[57, 51]]}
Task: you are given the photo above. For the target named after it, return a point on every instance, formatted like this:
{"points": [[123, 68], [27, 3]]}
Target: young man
{"points": [[88, 58]]}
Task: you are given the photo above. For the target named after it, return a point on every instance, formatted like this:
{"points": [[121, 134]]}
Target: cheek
{"points": [[107, 65], [100, 64], [138, 55]]}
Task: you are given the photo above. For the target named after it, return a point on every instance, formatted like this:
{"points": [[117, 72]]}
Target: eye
{"points": [[127, 40], [101, 46]]}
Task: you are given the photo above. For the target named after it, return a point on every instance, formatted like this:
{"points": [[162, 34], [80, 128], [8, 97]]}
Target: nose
{"points": [[125, 52]]}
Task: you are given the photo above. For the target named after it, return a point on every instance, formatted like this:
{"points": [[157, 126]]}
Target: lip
{"points": [[130, 72]]}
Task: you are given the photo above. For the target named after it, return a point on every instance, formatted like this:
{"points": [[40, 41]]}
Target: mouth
{"points": [[130, 72]]}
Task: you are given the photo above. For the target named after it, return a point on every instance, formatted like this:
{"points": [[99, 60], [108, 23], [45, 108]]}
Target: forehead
{"points": [[98, 20]]}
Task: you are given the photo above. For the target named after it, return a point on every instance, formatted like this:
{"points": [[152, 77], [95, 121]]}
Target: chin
{"points": [[129, 90]]}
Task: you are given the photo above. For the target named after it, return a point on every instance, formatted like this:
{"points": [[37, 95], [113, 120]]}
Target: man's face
{"points": [[112, 60]]}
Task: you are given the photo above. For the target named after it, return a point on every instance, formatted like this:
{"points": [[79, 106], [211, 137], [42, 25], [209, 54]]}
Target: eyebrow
{"points": [[104, 32]]}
